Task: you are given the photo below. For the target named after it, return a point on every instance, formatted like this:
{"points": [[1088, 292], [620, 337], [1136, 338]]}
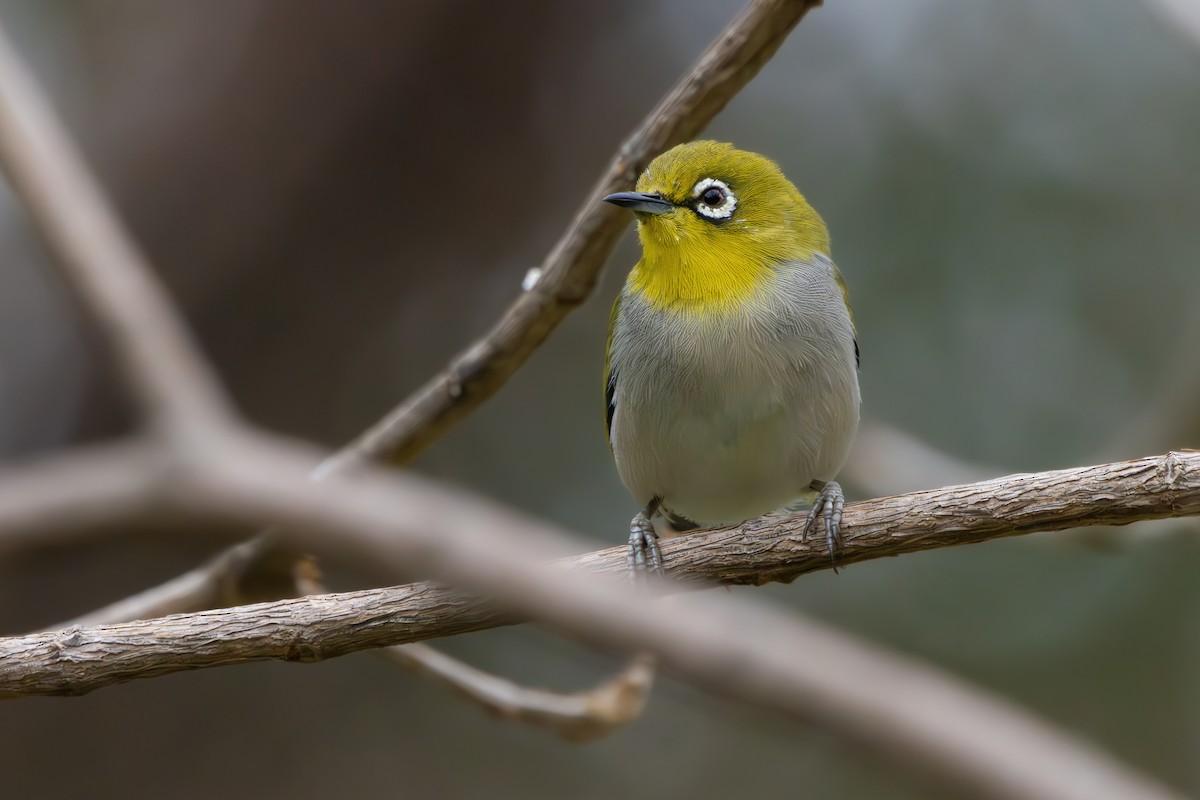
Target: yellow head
{"points": [[714, 222]]}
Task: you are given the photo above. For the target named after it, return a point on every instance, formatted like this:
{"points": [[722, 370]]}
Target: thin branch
{"points": [[238, 575], [101, 264], [756, 654], [887, 460], [755, 552], [567, 278], [1181, 17], [917, 716], [568, 275], [577, 717], [759, 657], [263, 568], [571, 269], [901, 709]]}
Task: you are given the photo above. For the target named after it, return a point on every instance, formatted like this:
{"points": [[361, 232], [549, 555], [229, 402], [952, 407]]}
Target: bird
{"points": [[731, 367]]}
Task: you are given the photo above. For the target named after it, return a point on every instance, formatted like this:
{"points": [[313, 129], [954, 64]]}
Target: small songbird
{"points": [[731, 376]]}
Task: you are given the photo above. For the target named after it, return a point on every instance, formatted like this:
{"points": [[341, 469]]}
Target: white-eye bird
{"points": [[731, 376]]}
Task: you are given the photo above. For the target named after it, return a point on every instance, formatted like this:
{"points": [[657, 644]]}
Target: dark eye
{"points": [[714, 200]]}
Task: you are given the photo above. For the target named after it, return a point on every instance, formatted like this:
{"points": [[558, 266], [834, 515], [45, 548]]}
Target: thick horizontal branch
{"points": [[767, 549], [223, 474], [1119, 493], [566, 279], [735, 647]]}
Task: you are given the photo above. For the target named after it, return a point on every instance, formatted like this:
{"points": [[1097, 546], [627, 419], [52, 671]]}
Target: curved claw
{"points": [[829, 504], [644, 554]]}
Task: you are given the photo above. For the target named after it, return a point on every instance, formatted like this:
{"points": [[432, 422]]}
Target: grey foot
{"points": [[644, 555], [829, 504]]}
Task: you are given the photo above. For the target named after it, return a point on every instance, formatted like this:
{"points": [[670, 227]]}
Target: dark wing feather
{"points": [[610, 375]]}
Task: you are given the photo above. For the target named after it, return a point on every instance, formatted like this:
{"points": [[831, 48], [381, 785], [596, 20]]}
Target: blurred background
{"points": [[342, 195]]}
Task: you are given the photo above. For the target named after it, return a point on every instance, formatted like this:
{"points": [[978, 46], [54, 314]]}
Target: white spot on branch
{"points": [[531, 279]]}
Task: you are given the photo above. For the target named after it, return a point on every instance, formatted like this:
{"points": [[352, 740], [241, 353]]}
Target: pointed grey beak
{"points": [[641, 202]]}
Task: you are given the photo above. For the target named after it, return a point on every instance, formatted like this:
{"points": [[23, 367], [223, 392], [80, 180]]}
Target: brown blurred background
{"points": [[341, 195]]}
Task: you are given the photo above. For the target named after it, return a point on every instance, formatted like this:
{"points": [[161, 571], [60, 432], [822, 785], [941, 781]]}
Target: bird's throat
{"points": [[698, 279]]}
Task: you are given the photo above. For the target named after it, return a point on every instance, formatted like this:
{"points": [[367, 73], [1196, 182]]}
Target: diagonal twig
{"points": [[105, 269], [570, 271], [567, 277], [243, 573], [758, 658]]}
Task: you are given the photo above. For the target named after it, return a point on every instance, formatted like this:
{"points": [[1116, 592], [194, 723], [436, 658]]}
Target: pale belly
{"points": [[737, 451], [726, 419]]}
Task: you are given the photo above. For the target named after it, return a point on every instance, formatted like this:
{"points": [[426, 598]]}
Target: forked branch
{"points": [[208, 468], [756, 654], [759, 551]]}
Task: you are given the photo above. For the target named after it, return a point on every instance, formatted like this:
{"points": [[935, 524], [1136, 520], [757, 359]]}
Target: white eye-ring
{"points": [[714, 199]]}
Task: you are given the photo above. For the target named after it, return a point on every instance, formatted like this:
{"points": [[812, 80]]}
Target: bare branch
{"points": [[766, 549], [1181, 17], [570, 270], [91, 489], [577, 717], [568, 276], [242, 571], [116, 286], [759, 656], [111, 279], [253, 570]]}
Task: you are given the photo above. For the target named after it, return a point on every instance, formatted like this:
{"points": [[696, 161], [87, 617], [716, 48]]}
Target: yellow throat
{"points": [[709, 258]]}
